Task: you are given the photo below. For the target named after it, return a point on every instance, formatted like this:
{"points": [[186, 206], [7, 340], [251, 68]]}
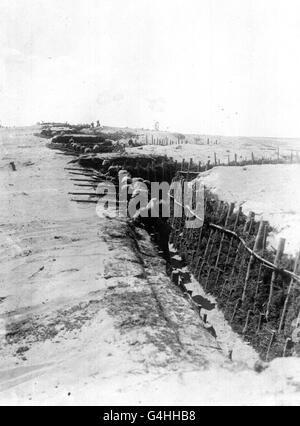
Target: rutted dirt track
{"points": [[87, 312]]}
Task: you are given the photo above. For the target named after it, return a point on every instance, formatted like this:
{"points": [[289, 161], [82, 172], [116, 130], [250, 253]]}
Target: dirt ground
{"points": [[87, 313]]}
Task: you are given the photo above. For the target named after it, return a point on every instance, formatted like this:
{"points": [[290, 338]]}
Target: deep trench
{"points": [[179, 266]]}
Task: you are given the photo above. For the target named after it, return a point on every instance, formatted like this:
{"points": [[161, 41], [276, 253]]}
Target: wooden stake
{"points": [[291, 286], [92, 194], [257, 247], [232, 238], [261, 265], [80, 174], [85, 201], [212, 238], [278, 257], [74, 169], [247, 226], [84, 180], [86, 185], [229, 214]]}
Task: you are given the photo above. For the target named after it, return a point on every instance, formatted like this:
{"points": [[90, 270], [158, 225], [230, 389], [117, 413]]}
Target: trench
{"points": [[177, 267], [211, 284]]}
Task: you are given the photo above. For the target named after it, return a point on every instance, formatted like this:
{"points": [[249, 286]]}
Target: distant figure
{"points": [[13, 166], [98, 123], [92, 125]]}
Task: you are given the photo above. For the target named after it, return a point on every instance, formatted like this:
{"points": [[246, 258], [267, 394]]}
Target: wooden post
{"points": [[235, 159], [252, 157], [195, 253], [183, 164], [211, 237], [257, 246], [188, 171], [264, 244], [247, 228], [215, 157], [270, 344], [278, 257], [251, 222], [238, 214], [205, 254], [292, 282], [222, 211], [229, 213], [250, 312]]}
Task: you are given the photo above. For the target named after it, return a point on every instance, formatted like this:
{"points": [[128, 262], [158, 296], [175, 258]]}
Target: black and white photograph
{"points": [[149, 206]]}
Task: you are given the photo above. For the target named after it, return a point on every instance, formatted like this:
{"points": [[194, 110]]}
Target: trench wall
{"points": [[262, 304]]}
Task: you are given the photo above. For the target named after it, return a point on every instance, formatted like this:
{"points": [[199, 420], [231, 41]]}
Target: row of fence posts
{"points": [[202, 166], [225, 268], [164, 141], [179, 140], [236, 160]]}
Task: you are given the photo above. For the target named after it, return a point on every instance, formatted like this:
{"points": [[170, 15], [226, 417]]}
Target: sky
{"points": [[226, 67]]}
